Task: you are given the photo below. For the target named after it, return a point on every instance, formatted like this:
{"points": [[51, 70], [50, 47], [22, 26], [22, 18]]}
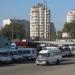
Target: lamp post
{"points": [[13, 44]]}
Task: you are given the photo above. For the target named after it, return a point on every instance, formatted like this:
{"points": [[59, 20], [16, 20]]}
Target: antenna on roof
{"points": [[38, 1], [44, 2]]}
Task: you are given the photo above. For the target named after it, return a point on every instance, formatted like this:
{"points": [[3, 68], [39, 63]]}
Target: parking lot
{"points": [[67, 67]]}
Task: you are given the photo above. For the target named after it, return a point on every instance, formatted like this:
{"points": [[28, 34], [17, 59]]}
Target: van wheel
{"points": [[37, 64], [57, 62], [47, 63]]}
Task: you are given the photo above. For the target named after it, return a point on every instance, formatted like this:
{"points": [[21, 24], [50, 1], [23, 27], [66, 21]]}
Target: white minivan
{"points": [[28, 53], [49, 56], [5, 56]]}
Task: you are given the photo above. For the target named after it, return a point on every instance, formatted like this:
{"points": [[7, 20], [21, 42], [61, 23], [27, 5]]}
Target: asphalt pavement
{"points": [[67, 67]]}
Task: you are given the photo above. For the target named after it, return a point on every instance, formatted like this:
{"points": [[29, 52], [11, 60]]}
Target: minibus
{"points": [[28, 53], [5, 56], [49, 56]]}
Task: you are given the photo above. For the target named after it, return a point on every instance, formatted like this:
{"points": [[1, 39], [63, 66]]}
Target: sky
{"points": [[20, 9]]}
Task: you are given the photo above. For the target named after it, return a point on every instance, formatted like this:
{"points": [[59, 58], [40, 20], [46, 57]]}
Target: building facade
{"points": [[70, 16], [40, 22]]}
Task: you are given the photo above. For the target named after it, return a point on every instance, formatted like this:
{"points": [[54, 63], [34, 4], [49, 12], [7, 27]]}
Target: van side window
{"points": [[52, 54], [11, 53], [19, 52], [33, 51], [26, 52], [3, 53], [48, 54], [57, 53], [15, 53]]}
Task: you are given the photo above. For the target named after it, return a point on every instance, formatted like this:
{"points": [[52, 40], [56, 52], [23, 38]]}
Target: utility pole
{"points": [[12, 30], [13, 44]]}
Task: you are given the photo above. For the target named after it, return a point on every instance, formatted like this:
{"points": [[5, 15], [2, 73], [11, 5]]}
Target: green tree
{"points": [[59, 35], [70, 28], [6, 32], [18, 31]]}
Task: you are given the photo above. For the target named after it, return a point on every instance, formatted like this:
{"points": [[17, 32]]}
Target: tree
{"points": [[6, 32], [19, 31], [59, 35], [70, 28]]}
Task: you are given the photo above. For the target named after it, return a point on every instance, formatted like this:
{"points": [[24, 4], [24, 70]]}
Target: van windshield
{"points": [[44, 54]]}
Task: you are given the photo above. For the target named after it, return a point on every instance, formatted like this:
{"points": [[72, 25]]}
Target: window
{"points": [[4, 53], [19, 52], [44, 54], [57, 53], [52, 54], [33, 51], [26, 52], [13, 53]]}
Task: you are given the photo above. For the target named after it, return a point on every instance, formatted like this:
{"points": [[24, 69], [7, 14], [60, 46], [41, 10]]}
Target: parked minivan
{"points": [[5, 56], [48, 56], [28, 53]]}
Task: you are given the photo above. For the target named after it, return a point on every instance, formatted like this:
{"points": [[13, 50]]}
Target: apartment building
{"points": [[40, 22]]}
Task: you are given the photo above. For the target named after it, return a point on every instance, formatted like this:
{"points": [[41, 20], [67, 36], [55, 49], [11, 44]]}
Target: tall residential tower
{"points": [[40, 22], [71, 16]]}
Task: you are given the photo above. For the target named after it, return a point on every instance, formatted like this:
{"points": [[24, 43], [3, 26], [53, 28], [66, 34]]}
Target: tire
{"points": [[47, 63], [57, 62], [37, 64]]}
